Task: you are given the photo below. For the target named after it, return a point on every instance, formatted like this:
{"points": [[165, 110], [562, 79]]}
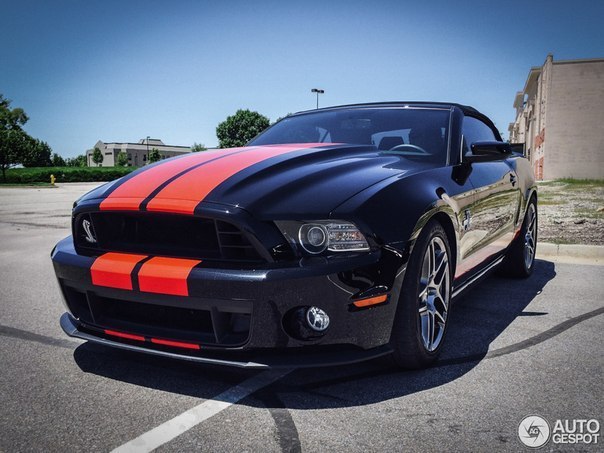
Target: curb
{"points": [[589, 252]]}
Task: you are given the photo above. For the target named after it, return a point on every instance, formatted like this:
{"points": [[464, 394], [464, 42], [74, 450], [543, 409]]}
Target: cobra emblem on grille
{"points": [[88, 230]]}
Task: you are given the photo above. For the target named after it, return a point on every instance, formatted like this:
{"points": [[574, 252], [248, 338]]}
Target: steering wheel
{"points": [[409, 147]]}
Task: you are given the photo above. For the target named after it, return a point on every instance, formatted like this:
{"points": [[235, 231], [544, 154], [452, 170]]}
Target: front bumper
{"points": [[242, 314]]}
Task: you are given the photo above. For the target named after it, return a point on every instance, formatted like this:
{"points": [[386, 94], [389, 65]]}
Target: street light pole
{"points": [[148, 147], [318, 91]]}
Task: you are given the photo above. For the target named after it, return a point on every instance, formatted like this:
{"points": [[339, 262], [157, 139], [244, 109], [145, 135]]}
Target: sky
{"points": [[119, 71]]}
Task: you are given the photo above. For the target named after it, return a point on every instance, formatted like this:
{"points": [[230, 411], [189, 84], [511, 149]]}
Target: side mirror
{"points": [[518, 148], [488, 151]]}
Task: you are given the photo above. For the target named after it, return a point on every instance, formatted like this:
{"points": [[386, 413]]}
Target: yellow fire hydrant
{"points": [[52, 180]]}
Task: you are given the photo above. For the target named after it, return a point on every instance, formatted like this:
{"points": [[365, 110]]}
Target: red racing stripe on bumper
{"points": [[114, 270], [175, 344], [172, 343], [166, 275], [127, 336], [184, 193]]}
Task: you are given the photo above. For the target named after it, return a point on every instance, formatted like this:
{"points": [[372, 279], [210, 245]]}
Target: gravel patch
{"points": [[571, 212]]}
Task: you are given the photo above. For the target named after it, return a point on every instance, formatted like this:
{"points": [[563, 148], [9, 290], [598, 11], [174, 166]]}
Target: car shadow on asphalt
{"points": [[477, 319]]}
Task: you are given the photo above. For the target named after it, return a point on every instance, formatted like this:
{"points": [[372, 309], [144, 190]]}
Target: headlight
{"points": [[313, 237], [332, 235]]}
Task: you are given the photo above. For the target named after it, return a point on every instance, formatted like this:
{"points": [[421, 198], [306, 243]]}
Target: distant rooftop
{"points": [[152, 141], [142, 143]]}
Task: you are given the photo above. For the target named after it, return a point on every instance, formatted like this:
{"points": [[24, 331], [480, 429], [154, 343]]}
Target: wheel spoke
{"points": [[436, 295], [431, 331], [444, 267], [442, 270], [441, 316], [423, 294], [441, 307], [425, 329]]}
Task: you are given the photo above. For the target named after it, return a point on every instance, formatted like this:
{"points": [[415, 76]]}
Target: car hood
{"points": [[274, 181]]}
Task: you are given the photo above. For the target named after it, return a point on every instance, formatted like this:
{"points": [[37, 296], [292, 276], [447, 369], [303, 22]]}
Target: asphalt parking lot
{"points": [[514, 348]]}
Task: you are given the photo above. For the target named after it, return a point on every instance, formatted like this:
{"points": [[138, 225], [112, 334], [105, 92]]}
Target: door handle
{"points": [[513, 179]]}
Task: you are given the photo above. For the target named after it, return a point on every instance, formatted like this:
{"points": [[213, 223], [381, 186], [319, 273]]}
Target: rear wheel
{"points": [[520, 257], [423, 306]]}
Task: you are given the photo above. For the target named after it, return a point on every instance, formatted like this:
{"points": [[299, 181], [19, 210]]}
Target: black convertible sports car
{"points": [[336, 235]]}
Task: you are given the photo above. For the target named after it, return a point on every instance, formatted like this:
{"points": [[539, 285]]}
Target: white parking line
{"points": [[173, 428]]}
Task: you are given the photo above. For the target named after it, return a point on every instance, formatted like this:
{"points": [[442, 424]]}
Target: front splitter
{"points": [[286, 360]]}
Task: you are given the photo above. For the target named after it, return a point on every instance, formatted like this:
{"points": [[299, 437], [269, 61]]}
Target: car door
{"points": [[491, 217]]}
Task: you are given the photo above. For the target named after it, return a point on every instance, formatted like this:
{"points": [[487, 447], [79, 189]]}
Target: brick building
{"points": [[560, 118]]}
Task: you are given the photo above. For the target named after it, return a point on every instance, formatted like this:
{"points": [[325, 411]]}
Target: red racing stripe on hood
{"points": [[166, 275], [114, 270], [132, 192], [184, 193]]}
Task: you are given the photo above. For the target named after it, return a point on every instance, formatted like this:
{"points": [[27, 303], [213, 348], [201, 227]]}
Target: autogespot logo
{"points": [[534, 431]]}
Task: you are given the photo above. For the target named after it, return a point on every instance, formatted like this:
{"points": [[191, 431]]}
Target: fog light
{"points": [[317, 319]]}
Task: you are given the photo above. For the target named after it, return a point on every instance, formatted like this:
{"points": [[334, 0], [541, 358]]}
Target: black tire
{"points": [[519, 261], [421, 298]]}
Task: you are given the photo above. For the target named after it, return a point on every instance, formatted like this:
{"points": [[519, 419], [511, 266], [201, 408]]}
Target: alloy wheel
{"points": [[530, 236], [434, 294]]}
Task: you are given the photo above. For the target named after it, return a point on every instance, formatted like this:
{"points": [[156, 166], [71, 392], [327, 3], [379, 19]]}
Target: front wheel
{"points": [[424, 303]]}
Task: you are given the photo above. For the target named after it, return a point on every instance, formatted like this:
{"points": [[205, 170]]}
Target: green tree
{"points": [[154, 155], [197, 147], [57, 161], [240, 128], [36, 154], [14, 142], [78, 161], [122, 159], [97, 156]]}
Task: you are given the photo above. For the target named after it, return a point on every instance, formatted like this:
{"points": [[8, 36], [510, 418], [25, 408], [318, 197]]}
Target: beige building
{"points": [[560, 119], [138, 153]]}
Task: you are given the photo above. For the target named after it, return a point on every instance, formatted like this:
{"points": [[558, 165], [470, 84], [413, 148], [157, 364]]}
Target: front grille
{"points": [[163, 234], [209, 326]]}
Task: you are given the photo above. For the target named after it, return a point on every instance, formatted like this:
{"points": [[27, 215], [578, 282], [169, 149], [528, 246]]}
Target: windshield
{"points": [[421, 133]]}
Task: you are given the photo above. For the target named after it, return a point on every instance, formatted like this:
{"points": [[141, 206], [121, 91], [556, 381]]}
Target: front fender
{"points": [[396, 210]]}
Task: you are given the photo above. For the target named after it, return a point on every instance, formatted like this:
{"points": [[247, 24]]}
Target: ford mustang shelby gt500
{"points": [[334, 236]]}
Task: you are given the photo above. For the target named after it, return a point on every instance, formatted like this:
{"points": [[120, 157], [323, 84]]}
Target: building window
{"points": [[129, 156], [144, 157]]}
